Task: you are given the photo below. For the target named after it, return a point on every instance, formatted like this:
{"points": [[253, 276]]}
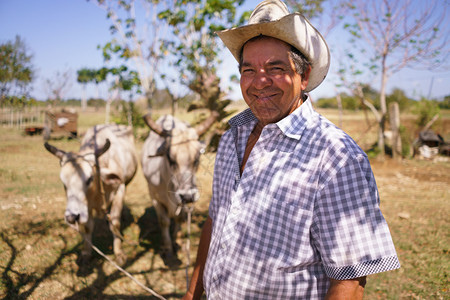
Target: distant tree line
{"points": [[161, 100], [350, 102]]}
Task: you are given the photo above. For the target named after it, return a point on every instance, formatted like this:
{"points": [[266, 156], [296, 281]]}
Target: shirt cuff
{"points": [[363, 269]]}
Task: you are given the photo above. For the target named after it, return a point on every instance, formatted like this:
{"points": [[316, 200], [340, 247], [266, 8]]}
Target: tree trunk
{"points": [[83, 99], [383, 109], [379, 117]]}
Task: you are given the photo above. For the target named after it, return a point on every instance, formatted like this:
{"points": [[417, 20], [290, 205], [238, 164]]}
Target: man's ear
{"points": [[305, 78]]}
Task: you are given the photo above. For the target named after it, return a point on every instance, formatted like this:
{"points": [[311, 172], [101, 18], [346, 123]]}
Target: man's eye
{"points": [[276, 70], [248, 71]]}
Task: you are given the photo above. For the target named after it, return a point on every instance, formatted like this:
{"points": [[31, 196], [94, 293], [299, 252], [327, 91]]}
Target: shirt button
{"points": [[235, 211], [223, 246]]}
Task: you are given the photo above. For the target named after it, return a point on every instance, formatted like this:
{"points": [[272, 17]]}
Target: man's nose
{"points": [[261, 80]]}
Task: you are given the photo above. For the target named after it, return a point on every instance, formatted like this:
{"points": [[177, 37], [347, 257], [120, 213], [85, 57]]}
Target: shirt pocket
{"points": [[283, 231], [293, 186]]}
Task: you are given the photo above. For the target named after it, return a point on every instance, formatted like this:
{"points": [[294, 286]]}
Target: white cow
{"points": [[94, 180], [170, 158]]}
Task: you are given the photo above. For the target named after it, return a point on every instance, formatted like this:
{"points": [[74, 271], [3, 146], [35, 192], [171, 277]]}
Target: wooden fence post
{"points": [[394, 117]]}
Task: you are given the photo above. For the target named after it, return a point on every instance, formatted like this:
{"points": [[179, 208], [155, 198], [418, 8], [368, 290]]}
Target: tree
{"points": [[309, 8], [16, 69], [97, 77], [137, 39], [399, 96], [58, 85], [178, 32], [396, 35], [85, 76], [127, 81], [194, 48], [425, 111]]}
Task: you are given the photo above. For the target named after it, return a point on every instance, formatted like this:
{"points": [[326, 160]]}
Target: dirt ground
{"points": [[39, 252]]}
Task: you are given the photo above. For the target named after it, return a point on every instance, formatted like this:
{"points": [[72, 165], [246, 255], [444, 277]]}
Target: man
{"points": [[294, 212]]}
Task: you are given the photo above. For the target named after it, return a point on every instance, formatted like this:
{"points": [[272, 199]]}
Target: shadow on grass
{"points": [[150, 234], [32, 280], [20, 284]]}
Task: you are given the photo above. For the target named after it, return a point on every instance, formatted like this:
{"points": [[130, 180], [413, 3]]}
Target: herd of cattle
{"points": [[96, 177]]}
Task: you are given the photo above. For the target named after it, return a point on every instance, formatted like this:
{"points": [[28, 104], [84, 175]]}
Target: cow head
{"points": [[79, 177], [182, 149]]}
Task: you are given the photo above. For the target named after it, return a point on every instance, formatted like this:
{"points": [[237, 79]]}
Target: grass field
{"points": [[38, 251]]}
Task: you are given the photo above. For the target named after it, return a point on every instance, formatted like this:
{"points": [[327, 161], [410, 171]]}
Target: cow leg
{"points": [[167, 252], [164, 224], [176, 228], [114, 223], [86, 233]]}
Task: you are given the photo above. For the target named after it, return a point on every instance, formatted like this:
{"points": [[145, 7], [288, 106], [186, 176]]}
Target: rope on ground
{"points": [[121, 269], [128, 274]]}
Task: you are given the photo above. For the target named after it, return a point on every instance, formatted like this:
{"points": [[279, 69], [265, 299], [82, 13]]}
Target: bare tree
{"points": [[399, 34], [57, 86], [325, 14]]}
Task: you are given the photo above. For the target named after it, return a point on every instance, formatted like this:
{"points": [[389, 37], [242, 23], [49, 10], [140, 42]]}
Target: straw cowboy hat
{"points": [[272, 18]]}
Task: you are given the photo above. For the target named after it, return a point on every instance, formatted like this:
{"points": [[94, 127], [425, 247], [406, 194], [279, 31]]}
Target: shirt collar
{"points": [[292, 125]]}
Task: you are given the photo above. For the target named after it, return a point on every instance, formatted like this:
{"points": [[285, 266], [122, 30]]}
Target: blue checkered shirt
{"points": [[305, 209]]}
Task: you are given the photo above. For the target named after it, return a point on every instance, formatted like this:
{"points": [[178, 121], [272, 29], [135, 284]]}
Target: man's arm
{"points": [[351, 289], [196, 286]]}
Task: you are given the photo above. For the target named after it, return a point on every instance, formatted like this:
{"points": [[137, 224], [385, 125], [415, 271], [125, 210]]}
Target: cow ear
{"points": [[55, 151]]}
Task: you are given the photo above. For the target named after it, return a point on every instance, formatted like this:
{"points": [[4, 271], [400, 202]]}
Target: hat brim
{"points": [[293, 29]]}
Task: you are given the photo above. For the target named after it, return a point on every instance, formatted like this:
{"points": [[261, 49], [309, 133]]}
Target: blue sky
{"points": [[64, 34]]}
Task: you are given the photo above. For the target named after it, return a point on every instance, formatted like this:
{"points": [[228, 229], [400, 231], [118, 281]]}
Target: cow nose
{"points": [[187, 198], [71, 219]]}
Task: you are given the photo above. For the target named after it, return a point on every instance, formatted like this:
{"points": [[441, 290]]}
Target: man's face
{"points": [[270, 86]]}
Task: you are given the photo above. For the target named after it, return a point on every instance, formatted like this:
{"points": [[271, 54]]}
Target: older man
{"points": [[295, 208]]}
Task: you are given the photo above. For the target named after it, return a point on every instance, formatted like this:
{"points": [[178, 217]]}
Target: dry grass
{"points": [[38, 251]]}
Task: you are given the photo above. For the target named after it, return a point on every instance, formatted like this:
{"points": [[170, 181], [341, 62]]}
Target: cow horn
{"points": [[206, 124], [53, 150], [99, 152], [153, 126]]}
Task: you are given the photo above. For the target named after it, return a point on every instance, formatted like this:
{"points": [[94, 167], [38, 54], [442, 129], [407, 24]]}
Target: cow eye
{"points": [[172, 162], [197, 160], [89, 180], [196, 164]]}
